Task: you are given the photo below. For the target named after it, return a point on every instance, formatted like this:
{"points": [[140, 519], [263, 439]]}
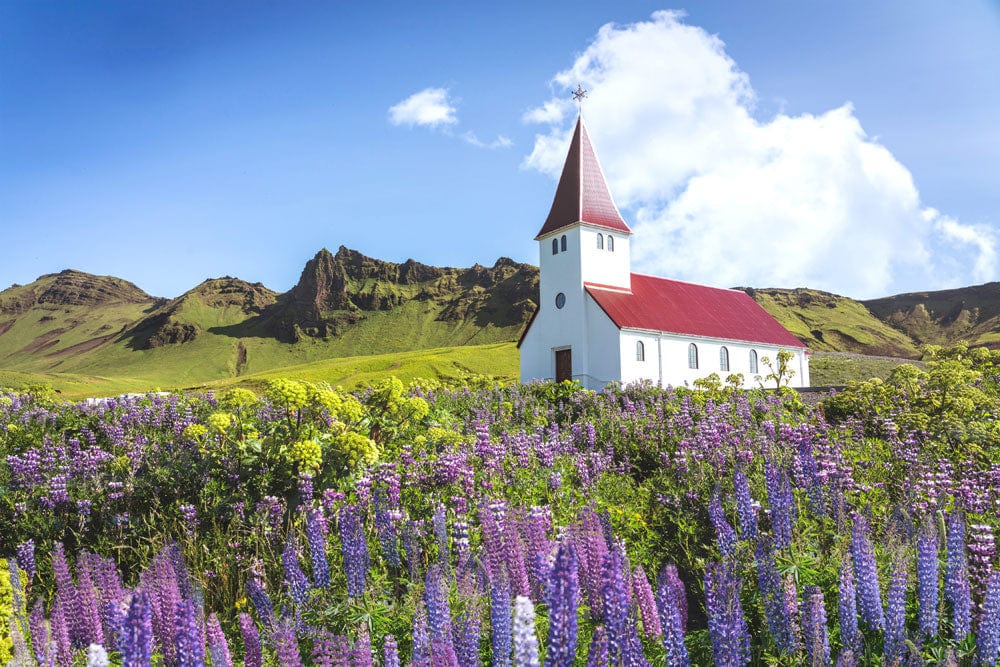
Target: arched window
{"points": [[640, 351], [611, 243], [723, 358], [562, 243], [753, 361], [600, 241], [555, 246], [692, 356]]}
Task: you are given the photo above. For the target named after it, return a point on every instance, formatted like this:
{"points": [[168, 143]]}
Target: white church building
{"points": [[597, 322]]}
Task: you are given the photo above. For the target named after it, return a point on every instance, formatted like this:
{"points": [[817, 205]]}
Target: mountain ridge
{"points": [[347, 304]]}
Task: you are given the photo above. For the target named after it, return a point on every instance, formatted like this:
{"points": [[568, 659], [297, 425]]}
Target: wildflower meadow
{"points": [[518, 525]]}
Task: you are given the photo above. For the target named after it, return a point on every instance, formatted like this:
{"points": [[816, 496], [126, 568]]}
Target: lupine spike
{"points": [[137, 642], [850, 637], [988, 637], [669, 607], [895, 624], [646, 603], [187, 635], [817, 641], [744, 506], [500, 622], [317, 548], [866, 575], [727, 627], [390, 651], [927, 579], [563, 599], [251, 642], [724, 534], [956, 577]]}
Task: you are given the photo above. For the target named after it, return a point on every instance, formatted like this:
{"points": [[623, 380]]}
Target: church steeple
{"points": [[582, 194]]}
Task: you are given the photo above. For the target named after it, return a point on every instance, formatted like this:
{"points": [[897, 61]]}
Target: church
{"points": [[598, 322]]}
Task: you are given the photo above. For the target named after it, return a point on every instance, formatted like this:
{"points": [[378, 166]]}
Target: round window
{"points": [[560, 300]]}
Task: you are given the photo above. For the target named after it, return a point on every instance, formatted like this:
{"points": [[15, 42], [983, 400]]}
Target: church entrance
{"points": [[564, 365]]}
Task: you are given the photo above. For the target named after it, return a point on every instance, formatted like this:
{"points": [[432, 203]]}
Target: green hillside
{"points": [[830, 323]]}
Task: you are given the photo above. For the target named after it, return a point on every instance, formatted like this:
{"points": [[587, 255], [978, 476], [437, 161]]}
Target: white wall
{"points": [[605, 360], [666, 359], [603, 266]]}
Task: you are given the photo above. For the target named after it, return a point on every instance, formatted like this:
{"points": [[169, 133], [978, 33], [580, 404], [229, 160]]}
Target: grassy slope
{"points": [[838, 368], [826, 322], [499, 359]]}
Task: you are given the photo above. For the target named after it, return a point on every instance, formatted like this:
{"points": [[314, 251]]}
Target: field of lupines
{"points": [[506, 526]]}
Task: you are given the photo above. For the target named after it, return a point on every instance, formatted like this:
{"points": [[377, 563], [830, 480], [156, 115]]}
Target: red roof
{"points": [[582, 194], [673, 306]]}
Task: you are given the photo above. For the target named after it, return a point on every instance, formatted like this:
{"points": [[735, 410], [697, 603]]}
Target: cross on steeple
{"points": [[579, 94]]}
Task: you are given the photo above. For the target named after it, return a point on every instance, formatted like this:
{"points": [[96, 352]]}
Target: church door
{"points": [[564, 365]]}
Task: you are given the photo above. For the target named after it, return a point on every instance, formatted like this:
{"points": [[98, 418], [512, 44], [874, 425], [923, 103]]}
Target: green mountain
{"points": [[831, 323], [946, 316], [79, 325], [351, 317]]}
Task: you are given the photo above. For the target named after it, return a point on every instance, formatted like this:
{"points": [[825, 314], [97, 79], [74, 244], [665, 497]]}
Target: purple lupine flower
{"points": [[744, 506], [317, 548], [218, 647], [261, 601], [187, 635], [500, 620], [467, 628], [670, 577], [385, 528], [137, 637], [725, 536], [669, 606], [563, 599], [67, 595], [727, 626], [956, 577], [421, 656], [439, 619], [523, 633], [597, 652], [982, 549], [492, 533], [361, 654], [440, 525], [39, 632], [295, 579], [895, 622], [624, 645], [252, 656], [26, 558], [781, 503], [848, 607], [87, 595], [866, 575], [927, 579], [60, 637], [354, 547], [390, 651], [773, 596], [286, 646], [159, 582], [330, 650], [814, 627], [647, 603], [988, 637]]}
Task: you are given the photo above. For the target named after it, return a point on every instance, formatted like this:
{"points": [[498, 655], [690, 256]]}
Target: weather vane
{"points": [[579, 94]]}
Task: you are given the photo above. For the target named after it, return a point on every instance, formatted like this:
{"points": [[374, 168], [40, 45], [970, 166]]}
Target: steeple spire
{"points": [[582, 194]]}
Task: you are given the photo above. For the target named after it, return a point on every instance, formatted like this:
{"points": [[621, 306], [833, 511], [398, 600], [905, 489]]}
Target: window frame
{"points": [[611, 243], [562, 243], [753, 362], [692, 356], [640, 351], [724, 358], [555, 246], [600, 241]]}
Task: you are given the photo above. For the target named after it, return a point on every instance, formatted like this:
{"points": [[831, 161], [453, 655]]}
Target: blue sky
{"points": [[850, 146]]}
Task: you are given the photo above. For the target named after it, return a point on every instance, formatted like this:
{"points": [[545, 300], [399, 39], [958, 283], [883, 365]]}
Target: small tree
{"points": [[781, 371]]}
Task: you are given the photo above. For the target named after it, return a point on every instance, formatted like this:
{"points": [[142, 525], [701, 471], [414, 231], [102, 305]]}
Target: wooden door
{"points": [[564, 365]]}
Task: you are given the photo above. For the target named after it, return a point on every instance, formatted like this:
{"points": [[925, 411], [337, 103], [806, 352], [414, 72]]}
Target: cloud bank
{"points": [[718, 196]]}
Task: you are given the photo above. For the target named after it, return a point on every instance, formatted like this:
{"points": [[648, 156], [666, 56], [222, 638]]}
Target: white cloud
{"points": [[719, 196], [430, 107], [500, 142]]}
